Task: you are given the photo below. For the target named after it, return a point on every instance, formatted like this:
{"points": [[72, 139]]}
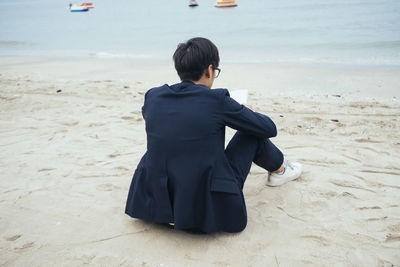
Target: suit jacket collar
{"points": [[186, 84]]}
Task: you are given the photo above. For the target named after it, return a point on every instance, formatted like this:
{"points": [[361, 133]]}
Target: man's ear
{"points": [[208, 71]]}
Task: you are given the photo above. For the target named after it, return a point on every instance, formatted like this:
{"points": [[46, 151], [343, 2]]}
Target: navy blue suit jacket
{"points": [[184, 177]]}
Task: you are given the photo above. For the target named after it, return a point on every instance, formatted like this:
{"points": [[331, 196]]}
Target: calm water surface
{"points": [[301, 31]]}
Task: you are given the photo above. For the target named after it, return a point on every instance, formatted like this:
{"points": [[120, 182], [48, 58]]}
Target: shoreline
{"points": [[166, 60], [353, 82]]}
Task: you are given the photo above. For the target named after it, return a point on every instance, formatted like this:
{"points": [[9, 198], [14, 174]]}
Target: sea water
{"points": [[301, 31]]}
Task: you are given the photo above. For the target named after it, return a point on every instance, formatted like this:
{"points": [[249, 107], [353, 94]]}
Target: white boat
{"points": [[75, 8], [226, 3]]}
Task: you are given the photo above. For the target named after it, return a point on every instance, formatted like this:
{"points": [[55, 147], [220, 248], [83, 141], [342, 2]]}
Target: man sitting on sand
{"points": [[187, 178]]}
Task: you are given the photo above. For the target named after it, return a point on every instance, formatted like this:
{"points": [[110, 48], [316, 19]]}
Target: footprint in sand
{"points": [[107, 187], [121, 168], [96, 124], [392, 238], [86, 259], [348, 184], [394, 227], [319, 239], [128, 118], [114, 155], [46, 170], [25, 246], [377, 219], [348, 194], [329, 194], [132, 118], [13, 238], [70, 123], [363, 140], [370, 208]]}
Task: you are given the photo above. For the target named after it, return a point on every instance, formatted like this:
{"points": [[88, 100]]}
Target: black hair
{"points": [[193, 58]]}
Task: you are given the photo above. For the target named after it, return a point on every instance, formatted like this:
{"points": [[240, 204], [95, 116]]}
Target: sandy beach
{"points": [[72, 134]]}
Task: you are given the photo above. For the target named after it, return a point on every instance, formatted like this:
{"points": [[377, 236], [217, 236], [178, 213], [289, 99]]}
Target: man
{"points": [[187, 178]]}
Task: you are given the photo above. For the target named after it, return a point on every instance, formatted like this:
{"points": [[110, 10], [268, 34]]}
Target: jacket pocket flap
{"points": [[225, 186]]}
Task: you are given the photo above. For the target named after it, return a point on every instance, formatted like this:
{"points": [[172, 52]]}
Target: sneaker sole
{"points": [[280, 182]]}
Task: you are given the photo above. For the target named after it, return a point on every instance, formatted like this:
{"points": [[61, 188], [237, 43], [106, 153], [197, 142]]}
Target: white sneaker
{"points": [[292, 171]]}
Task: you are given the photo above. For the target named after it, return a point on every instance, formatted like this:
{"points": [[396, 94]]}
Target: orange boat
{"points": [[88, 5], [226, 3]]}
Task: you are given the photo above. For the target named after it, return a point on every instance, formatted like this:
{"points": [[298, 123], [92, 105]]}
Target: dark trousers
{"points": [[243, 149]]}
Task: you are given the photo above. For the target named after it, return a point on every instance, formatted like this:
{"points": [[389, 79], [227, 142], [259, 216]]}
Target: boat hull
{"points": [[224, 3], [222, 6], [80, 10]]}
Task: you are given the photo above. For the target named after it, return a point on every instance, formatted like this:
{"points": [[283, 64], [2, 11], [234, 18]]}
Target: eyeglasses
{"points": [[217, 71]]}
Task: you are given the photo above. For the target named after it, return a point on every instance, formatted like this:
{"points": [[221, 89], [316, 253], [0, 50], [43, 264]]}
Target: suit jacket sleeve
{"points": [[144, 104], [241, 118]]}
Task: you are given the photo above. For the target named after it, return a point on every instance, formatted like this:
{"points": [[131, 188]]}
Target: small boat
{"points": [[193, 3], [75, 8], [226, 3], [88, 5]]}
